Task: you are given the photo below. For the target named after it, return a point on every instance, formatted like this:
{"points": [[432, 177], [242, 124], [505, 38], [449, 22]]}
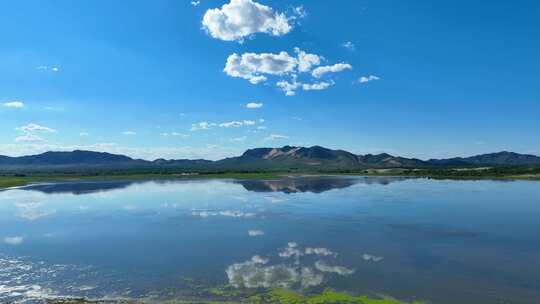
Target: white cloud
{"points": [[365, 79], [242, 18], [28, 138], [239, 139], [129, 133], [14, 240], [55, 69], [256, 68], [203, 125], [323, 85], [32, 127], [237, 123], [254, 105], [255, 233], [251, 66], [14, 104], [324, 267], [276, 137], [83, 134], [195, 3], [306, 61], [289, 87], [338, 67], [349, 45]]}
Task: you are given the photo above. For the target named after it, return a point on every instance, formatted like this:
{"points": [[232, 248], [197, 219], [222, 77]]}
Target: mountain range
{"points": [[284, 158]]}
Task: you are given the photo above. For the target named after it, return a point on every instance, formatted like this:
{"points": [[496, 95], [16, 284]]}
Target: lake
{"points": [[439, 241]]}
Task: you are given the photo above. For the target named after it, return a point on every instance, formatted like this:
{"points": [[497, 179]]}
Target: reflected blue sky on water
{"points": [[409, 238]]}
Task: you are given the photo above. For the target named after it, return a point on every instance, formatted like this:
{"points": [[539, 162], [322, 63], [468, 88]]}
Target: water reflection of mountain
{"points": [[78, 188], [313, 184]]}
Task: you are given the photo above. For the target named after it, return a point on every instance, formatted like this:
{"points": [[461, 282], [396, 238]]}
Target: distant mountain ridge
{"points": [[287, 157]]}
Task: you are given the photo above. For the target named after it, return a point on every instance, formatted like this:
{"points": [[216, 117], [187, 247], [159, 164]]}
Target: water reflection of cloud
{"points": [[341, 270], [32, 210], [371, 258], [14, 240], [255, 233], [259, 272], [225, 213]]}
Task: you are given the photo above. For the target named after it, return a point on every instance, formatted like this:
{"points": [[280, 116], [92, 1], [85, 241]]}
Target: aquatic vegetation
{"points": [[284, 296]]}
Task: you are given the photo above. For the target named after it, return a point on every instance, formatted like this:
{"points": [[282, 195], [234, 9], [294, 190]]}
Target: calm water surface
{"points": [[440, 241]]}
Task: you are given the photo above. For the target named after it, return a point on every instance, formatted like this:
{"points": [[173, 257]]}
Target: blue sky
{"points": [[159, 79]]}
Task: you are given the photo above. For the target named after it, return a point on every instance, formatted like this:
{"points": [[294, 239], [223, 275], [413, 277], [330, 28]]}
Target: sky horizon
{"points": [[211, 79]]}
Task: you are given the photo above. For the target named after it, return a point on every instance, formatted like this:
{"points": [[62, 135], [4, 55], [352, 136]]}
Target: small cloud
{"points": [[32, 127], [55, 69], [129, 133], [365, 79], [338, 67], [239, 139], [14, 240], [84, 134], [255, 233], [14, 104], [195, 3], [323, 85], [319, 251], [29, 138], [53, 109], [254, 105], [276, 137], [203, 125], [237, 124], [349, 45]]}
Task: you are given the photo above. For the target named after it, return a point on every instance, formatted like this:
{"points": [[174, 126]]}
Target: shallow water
{"points": [[439, 241]]}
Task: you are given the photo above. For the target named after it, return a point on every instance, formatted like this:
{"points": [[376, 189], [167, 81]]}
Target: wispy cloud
{"points": [[203, 125], [239, 139], [349, 45], [255, 233], [29, 138], [32, 127], [365, 79], [254, 105], [276, 137], [14, 104], [129, 133]]}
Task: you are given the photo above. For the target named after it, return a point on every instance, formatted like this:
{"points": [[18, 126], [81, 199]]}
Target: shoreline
{"points": [[13, 182]]}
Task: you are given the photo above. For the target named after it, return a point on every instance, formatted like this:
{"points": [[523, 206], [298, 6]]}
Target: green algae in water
{"points": [[284, 296]]}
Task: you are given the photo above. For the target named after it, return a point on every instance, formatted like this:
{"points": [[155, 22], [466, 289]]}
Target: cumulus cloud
{"points": [[14, 240], [29, 138], [255, 233], [349, 45], [32, 127], [324, 267], [276, 137], [256, 68], [251, 66], [306, 61], [365, 79], [239, 19], [203, 125], [14, 104], [338, 67], [254, 105]]}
